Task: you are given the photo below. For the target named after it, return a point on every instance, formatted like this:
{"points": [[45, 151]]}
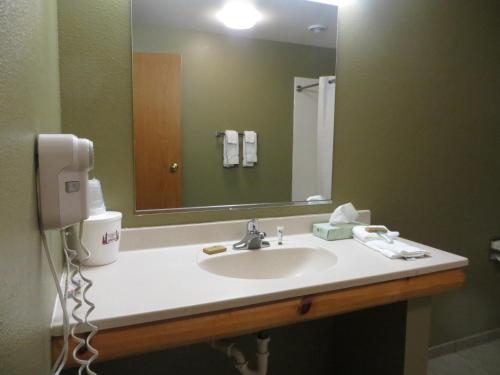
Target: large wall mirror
{"points": [[233, 102]]}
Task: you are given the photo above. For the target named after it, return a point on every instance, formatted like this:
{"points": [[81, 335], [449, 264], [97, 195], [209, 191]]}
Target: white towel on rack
{"points": [[249, 148], [231, 149]]}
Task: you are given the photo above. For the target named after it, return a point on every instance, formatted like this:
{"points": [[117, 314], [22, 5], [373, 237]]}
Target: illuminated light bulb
{"points": [[239, 15]]}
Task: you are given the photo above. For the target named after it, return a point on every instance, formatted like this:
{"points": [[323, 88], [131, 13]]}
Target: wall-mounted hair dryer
{"points": [[63, 165], [63, 162]]}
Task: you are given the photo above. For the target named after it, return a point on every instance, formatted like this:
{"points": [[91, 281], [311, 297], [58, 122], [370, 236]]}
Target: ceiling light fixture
{"points": [[239, 15]]}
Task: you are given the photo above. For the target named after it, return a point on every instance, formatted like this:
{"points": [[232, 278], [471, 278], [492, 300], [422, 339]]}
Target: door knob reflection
{"points": [[174, 167]]}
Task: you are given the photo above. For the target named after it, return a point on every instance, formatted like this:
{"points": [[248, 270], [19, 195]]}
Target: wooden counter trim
{"points": [[143, 338]]}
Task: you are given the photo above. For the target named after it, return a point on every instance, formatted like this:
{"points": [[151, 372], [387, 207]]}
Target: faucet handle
{"points": [[252, 226]]}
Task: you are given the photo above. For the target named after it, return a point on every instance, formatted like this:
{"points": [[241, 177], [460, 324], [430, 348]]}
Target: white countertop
{"points": [[166, 282]]}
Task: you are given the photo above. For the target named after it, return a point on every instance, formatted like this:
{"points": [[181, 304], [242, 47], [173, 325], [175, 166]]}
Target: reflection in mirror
{"points": [[233, 102]]}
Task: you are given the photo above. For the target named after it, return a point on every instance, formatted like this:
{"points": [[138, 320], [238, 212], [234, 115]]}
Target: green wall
{"points": [[29, 102], [416, 141], [232, 82], [418, 93]]}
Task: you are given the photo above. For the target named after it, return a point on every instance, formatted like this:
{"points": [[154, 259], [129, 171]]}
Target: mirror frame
{"points": [[231, 207]]}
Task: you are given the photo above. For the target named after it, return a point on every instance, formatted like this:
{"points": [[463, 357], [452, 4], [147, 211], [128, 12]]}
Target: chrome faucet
{"points": [[253, 240]]}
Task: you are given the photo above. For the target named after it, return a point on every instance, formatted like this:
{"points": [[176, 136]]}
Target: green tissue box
{"points": [[330, 232]]}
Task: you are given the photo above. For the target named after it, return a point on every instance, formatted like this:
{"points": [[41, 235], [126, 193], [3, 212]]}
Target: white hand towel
{"points": [[249, 148], [396, 249], [231, 149], [231, 137]]}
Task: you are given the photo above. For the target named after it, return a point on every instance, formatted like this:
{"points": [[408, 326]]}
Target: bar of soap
{"points": [[330, 232], [214, 249]]}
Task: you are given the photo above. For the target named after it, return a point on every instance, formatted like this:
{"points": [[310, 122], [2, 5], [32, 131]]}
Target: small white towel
{"points": [[231, 149], [249, 148], [396, 249]]}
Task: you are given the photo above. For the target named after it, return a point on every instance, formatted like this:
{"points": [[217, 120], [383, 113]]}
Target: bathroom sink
{"points": [[269, 263]]}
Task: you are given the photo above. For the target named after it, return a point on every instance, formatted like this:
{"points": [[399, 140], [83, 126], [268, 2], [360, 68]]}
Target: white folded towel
{"points": [[249, 148], [231, 149], [250, 136], [396, 249]]}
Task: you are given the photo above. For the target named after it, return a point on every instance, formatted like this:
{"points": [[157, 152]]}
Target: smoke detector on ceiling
{"points": [[317, 28]]}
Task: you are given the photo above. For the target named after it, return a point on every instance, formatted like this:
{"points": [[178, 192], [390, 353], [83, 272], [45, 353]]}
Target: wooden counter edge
{"points": [[143, 338]]}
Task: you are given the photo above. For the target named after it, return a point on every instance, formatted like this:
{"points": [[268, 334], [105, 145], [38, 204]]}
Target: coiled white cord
{"points": [[72, 271], [60, 362], [93, 327], [91, 305], [74, 264]]}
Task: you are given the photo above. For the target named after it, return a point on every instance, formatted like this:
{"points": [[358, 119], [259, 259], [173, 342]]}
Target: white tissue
{"points": [[344, 214]]}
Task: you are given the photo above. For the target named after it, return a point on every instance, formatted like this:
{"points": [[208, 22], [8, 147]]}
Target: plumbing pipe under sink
{"points": [[240, 362]]}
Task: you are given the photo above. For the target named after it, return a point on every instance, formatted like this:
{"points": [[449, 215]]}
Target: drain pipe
{"points": [[262, 353], [228, 348], [240, 362]]}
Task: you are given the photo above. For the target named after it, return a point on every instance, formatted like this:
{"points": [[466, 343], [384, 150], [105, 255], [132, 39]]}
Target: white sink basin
{"points": [[269, 263]]}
